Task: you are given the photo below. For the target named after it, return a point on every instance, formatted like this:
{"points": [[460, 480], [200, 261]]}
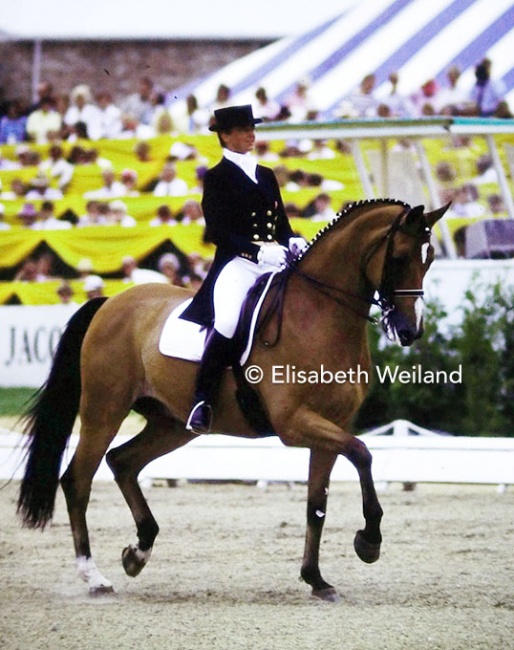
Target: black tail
{"points": [[49, 421]]}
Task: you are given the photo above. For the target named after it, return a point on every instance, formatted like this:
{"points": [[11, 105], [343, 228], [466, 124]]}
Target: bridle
{"points": [[386, 294]]}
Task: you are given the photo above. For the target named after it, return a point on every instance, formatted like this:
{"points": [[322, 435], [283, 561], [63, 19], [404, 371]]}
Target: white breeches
{"points": [[230, 290]]}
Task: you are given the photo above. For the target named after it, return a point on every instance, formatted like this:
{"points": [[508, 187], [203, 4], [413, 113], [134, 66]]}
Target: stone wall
{"points": [[114, 65]]}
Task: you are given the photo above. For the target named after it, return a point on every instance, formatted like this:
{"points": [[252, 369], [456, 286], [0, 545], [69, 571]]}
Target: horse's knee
{"points": [[115, 463], [360, 455]]}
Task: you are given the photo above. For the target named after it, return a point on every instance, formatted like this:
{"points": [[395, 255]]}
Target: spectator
{"points": [[13, 124], [138, 105], [451, 98], [188, 117], [159, 118], [18, 190], [44, 90], [94, 286], [320, 209], [142, 151], [82, 111], [164, 217], [182, 151], [110, 116], [118, 215], [265, 108], [28, 216], [399, 105], [28, 272], [425, 99], [110, 189], [192, 213], [200, 175], [169, 266], [264, 153], [45, 265], [465, 202], [503, 111], [84, 268], [496, 205], [486, 94], [56, 166], [93, 215], [197, 266], [169, 184], [321, 151], [486, 172], [128, 178], [48, 220], [132, 272], [65, 293], [222, 100], [299, 103], [44, 124], [362, 102], [40, 189], [27, 157]]}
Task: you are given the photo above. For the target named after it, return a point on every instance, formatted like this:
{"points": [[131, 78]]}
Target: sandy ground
{"points": [[225, 569]]}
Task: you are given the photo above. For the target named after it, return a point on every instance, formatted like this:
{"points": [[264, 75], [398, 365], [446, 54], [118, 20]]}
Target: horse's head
{"points": [[398, 274]]}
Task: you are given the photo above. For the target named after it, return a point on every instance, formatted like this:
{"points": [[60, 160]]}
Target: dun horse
{"points": [[108, 363]]}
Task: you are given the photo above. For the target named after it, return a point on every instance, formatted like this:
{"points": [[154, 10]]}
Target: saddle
{"points": [[184, 339]]}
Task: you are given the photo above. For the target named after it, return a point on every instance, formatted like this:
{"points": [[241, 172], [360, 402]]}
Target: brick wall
{"points": [[115, 65]]}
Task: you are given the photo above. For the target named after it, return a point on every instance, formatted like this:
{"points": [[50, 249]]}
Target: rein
{"points": [[385, 301]]}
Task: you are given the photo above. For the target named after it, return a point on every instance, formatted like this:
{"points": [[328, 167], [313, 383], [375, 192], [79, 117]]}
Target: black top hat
{"points": [[227, 118]]}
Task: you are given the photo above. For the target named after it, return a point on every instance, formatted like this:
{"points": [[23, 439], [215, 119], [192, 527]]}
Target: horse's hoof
{"points": [[367, 551], [328, 595], [101, 590], [132, 563]]}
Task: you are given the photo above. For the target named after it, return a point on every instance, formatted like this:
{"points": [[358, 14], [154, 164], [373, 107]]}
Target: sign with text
{"points": [[28, 340]]}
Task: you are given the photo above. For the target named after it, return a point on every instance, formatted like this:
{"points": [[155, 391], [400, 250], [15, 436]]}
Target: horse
{"points": [[374, 253]]}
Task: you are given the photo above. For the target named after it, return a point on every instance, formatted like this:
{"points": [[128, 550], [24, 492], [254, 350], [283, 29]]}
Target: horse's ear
{"points": [[413, 217], [435, 215]]}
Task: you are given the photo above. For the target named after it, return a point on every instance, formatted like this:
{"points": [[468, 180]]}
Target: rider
{"points": [[246, 220]]}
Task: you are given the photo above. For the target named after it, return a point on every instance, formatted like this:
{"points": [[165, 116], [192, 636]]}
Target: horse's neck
{"points": [[339, 257]]}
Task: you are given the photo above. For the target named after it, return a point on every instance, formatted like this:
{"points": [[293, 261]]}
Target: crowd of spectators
{"points": [[70, 126], [150, 110]]}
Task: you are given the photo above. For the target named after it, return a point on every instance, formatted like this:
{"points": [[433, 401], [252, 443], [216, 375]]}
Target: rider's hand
{"points": [[297, 245], [274, 255]]}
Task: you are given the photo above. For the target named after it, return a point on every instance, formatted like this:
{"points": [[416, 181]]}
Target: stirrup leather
{"points": [[200, 418]]}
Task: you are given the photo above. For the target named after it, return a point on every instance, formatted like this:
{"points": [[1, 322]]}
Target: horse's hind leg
{"points": [[161, 435], [76, 483]]}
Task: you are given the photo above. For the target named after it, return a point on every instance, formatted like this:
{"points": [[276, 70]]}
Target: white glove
{"points": [[274, 255], [297, 245]]}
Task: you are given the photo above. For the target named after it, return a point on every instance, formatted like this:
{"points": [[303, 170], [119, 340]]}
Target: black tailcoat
{"points": [[237, 213]]}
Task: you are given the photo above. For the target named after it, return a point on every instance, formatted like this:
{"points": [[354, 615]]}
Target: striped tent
{"points": [[419, 39]]}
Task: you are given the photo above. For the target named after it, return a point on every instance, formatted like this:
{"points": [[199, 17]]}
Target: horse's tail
{"points": [[49, 421]]}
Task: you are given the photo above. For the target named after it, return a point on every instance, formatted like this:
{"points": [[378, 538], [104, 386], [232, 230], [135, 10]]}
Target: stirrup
{"points": [[200, 419]]}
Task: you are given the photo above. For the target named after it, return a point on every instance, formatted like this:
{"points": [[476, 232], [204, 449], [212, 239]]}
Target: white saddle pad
{"points": [[183, 339]]}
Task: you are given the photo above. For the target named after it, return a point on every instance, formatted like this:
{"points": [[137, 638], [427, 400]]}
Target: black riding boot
{"points": [[216, 357]]}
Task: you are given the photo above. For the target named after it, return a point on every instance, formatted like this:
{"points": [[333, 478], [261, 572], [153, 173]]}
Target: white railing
{"points": [[400, 457]]}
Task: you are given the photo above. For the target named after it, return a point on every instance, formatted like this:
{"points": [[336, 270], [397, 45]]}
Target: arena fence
{"points": [[402, 452]]}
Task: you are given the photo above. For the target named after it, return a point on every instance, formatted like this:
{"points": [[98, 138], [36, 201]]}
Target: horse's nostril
{"points": [[406, 336]]}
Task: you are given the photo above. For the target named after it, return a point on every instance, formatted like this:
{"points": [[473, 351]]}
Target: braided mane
{"points": [[345, 215]]}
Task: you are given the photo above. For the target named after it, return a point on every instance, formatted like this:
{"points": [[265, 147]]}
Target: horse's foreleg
{"points": [[320, 467], [367, 542], [160, 436], [312, 430]]}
